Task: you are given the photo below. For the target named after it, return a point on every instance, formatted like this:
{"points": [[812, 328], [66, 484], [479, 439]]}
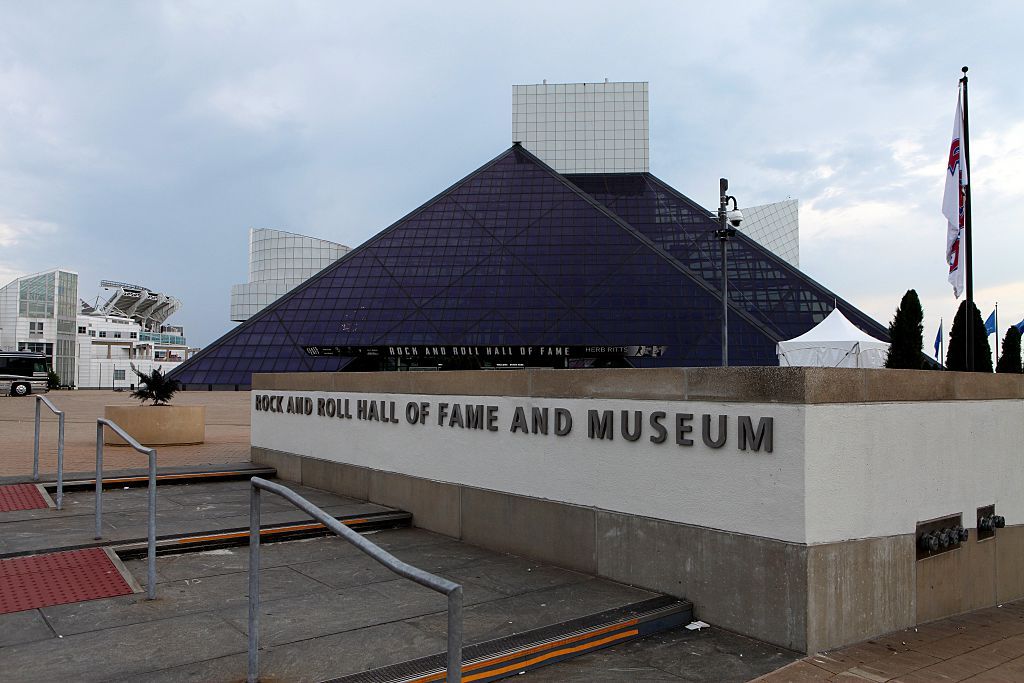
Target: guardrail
{"points": [[449, 588], [151, 517], [60, 448]]}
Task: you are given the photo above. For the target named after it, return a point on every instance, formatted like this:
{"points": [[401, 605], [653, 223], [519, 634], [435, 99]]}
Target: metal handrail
{"points": [[60, 448], [436, 583], [151, 521]]}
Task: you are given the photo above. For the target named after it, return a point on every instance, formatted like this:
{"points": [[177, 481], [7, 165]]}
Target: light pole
{"points": [[728, 221]]}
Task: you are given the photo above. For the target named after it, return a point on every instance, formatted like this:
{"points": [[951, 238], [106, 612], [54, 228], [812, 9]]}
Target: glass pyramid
{"points": [[761, 284], [516, 254]]}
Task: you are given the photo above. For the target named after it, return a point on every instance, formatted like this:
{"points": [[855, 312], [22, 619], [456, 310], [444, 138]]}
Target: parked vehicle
{"points": [[23, 373]]}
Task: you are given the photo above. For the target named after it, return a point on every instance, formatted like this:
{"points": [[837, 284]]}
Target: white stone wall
{"points": [[751, 492], [876, 469], [836, 472]]}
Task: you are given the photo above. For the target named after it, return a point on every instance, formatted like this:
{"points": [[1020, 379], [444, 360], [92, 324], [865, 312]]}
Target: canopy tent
{"points": [[835, 342]]}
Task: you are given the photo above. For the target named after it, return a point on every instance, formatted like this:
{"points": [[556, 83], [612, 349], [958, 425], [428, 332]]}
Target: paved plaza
{"points": [[227, 432], [985, 646]]}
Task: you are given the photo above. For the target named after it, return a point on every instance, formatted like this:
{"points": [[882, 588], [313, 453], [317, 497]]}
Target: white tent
{"points": [[835, 342]]}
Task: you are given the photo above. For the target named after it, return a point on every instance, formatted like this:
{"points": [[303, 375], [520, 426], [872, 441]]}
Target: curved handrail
{"points": [[151, 517], [60, 447], [436, 583]]}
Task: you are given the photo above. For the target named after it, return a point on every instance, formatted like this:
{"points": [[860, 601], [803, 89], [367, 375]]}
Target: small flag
{"points": [[990, 324], [938, 339], [953, 206]]}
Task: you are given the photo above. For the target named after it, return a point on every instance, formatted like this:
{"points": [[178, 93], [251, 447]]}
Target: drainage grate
{"points": [[21, 497], [58, 579]]}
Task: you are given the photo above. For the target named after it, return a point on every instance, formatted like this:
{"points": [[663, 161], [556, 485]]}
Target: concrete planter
{"points": [[157, 425]]}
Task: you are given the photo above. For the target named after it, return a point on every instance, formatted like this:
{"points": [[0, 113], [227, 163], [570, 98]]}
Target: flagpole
{"points": [[968, 259]]}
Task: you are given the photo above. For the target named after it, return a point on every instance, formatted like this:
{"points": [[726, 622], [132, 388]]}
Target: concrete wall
{"points": [[859, 589], [744, 583], [811, 546]]}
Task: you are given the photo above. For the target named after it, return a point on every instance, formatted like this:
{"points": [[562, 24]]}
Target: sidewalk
{"points": [[227, 432], [986, 646]]}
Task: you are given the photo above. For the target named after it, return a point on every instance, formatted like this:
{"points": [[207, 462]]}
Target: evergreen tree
{"points": [[906, 334], [956, 353], [1010, 360]]}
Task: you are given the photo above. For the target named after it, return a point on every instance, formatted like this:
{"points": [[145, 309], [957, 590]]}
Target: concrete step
{"points": [[229, 538], [516, 654], [248, 468], [163, 478], [205, 512]]}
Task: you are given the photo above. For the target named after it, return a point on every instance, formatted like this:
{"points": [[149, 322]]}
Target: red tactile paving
{"points": [[21, 497], [57, 579]]}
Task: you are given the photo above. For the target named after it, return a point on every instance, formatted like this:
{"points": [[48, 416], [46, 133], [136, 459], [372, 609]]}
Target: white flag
{"points": [[953, 206]]}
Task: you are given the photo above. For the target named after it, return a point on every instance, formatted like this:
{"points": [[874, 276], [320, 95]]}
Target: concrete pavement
{"points": [[227, 431]]}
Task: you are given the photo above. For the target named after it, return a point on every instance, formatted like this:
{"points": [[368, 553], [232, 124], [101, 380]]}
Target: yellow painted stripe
{"points": [[551, 655], [486, 664], [548, 646], [265, 532]]}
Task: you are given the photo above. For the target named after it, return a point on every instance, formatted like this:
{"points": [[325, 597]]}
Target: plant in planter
{"points": [[155, 387], [170, 426]]}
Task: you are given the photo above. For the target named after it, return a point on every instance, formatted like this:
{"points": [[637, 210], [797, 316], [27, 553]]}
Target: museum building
{"points": [[517, 265]]}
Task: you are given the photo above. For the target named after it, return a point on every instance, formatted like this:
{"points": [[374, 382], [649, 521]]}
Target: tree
{"points": [[155, 387], [1010, 360], [906, 334], [956, 354]]}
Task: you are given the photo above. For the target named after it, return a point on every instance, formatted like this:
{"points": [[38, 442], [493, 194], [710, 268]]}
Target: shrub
{"points": [[155, 387], [956, 354], [905, 334], [1009, 361]]}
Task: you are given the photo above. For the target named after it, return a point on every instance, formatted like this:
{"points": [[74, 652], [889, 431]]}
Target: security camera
{"points": [[735, 217]]}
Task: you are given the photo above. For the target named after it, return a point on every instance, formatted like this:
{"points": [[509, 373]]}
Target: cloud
{"points": [[260, 100], [849, 219], [16, 231], [997, 161], [15, 235]]}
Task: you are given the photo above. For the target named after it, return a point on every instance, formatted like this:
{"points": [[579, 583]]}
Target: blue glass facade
{"points": [[777, 296], [516, 254]]}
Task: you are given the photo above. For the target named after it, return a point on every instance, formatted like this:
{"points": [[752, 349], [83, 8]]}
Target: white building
{"points": [[125, 330], [584, 127], [91, 345], [278, 262], [109, 344], [775, 227], [37, 313]]}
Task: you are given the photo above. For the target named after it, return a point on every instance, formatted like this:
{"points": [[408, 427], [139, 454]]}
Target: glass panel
{"points": [[778, 298], [36, 296]]}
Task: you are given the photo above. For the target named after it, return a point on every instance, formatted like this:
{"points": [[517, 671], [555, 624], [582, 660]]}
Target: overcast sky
{"points": [[139, 141]]}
